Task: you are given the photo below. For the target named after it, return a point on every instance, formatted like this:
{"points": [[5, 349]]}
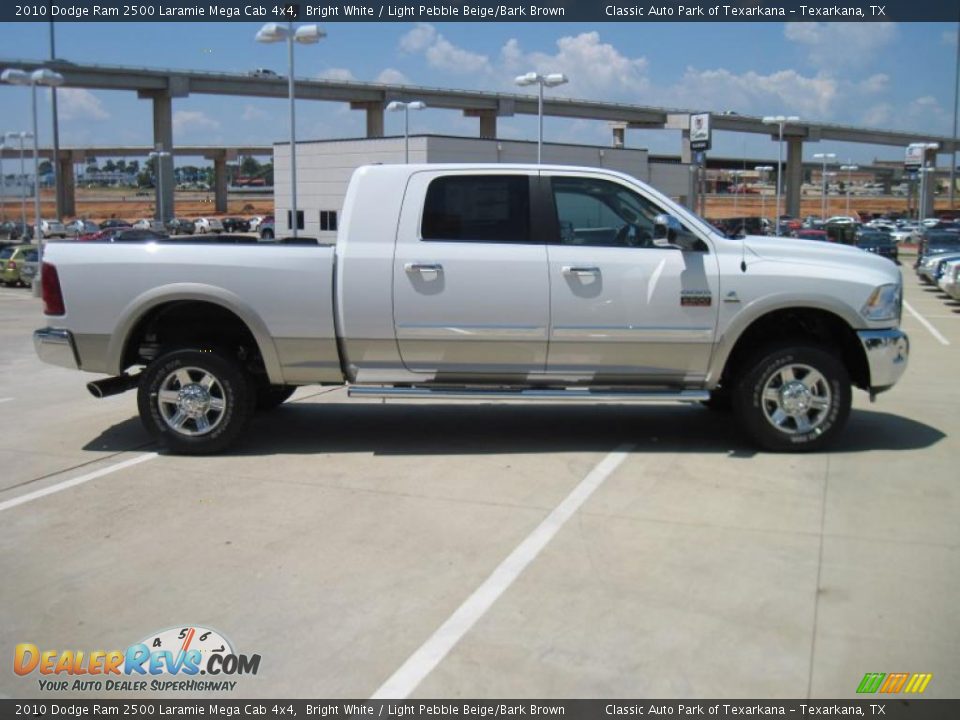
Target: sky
{"points": [[880, 75]]}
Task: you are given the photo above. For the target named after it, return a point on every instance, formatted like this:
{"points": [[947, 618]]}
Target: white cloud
{"points": [[393, 77], [186, 121], [252, 113], [443, 54], [874, 84], [878, 116], [841, 44], [337, 74], [593, 67], [79, 104], [752, 92], [418, 39]]}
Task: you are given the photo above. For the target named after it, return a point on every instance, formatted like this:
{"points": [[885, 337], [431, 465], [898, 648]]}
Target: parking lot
{"points": [[651, 551]]}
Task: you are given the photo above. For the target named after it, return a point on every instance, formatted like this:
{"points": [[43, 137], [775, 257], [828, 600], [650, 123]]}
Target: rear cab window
{"points": [[477, 208]]}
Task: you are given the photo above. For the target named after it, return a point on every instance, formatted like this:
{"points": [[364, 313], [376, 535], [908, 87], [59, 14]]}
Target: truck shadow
{"points": [[448, 429]]}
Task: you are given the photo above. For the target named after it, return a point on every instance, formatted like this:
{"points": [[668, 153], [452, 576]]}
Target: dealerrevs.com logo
{"points": [[170, 660]]}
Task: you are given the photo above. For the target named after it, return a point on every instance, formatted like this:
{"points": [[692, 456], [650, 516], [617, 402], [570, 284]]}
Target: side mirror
{"points": [[668, 232]]}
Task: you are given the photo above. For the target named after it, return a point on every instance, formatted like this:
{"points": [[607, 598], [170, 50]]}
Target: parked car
{"points": [[235, 224], [931, 271], [879, 243], [114, 223], [123, 235], [28, 269], [15, 230], [11, 260], [81, 227], [936, 241], [150, 224], [255, 222], [812, 235], [52, 228], [267, 231], [207, 224], [950, 279], [180, 226], [263, 73]]}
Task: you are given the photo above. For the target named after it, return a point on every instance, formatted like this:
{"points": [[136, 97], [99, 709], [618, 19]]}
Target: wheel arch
{"points": [[201, 301], [816, 324]]}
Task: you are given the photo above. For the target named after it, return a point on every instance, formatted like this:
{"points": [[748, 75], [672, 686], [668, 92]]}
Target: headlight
{"points": [[883, 303]]}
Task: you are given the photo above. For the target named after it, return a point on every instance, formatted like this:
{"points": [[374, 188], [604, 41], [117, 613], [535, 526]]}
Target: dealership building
{"points": [[324, 168]]}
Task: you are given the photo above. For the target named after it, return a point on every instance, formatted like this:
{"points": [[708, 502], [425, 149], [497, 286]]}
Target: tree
{"points": [[109, 166], [134, 166], [45, 167], [122, 165], [250, 167]]}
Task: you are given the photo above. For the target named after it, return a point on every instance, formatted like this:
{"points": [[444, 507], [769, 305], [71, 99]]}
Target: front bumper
{"points": [[887, 352], [56, 347]]}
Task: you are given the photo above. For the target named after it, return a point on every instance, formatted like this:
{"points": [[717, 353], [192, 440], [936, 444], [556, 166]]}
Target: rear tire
{"points": [[195, 402], [266, 235], [793, 398]]}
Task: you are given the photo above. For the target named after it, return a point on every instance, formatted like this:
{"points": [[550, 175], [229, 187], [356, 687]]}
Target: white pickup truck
{"points": [[483, 281]]}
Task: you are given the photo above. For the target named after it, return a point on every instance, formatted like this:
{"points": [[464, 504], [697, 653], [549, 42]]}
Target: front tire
{"points": [[195, 402], [793, 398]]}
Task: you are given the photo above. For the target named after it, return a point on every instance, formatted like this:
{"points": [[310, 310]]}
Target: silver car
{"points": [[28, 270]]}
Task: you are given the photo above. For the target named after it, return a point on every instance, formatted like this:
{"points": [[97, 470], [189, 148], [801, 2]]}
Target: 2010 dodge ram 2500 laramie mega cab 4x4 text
{"points": [[483, 281]]}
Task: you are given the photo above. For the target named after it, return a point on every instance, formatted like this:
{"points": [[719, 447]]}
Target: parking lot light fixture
{"points": [[548, 80], [849, 169], [762, 170], [779, 121], [48, 78], [159, 154], [305, 35], [825, 157], [3, 180], [397, 106], [21, 136]]}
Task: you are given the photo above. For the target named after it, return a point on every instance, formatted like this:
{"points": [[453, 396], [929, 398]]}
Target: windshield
{"points": [[6, 253]]}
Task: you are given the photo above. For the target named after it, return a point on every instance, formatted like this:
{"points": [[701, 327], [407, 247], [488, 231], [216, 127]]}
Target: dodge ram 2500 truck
{"points": [[483, 281]]}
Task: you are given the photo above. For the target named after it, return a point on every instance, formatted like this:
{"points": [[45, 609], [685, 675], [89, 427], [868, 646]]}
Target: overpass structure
{"points": [[161, 87], [220, 156]]}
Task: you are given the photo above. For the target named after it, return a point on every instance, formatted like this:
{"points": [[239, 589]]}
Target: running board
{"points": [[690, 396]]}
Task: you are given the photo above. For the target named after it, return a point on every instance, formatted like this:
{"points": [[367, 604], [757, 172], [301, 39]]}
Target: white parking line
{"points": [[926, 323], [37, 494], [405, 680]]}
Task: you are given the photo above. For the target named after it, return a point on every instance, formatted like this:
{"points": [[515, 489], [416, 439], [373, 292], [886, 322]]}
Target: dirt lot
{"points": [[100, 204]]}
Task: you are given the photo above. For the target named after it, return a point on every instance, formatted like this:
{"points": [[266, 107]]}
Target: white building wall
{"points": [[324, 168]]}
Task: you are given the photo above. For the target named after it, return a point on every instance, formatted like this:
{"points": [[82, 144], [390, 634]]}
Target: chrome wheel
{"points": [[191, 401], [796, 399]]}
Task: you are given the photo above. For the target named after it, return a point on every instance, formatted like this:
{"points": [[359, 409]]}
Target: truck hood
{"points": [[818, 253]]}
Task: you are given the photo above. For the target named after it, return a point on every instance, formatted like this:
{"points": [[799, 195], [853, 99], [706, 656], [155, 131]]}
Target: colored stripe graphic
{"points": [[894, 682], [871, 682], [918, 682]]}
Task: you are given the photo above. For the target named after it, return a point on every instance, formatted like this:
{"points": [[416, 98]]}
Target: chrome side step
{"points": [[568, 394]]}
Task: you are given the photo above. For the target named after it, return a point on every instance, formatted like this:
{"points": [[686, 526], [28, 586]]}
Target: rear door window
{"points": [[477, 208]]}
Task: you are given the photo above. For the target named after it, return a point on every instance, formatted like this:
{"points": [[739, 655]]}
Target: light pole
{"points": [[922, 208], [763, 170], [3, 179], [305, 35], [779, 121], [159, 154], [736, 175], [825, 157], [21, 136], [397, 106], [550, 80], [43, 76], [849, 169]]}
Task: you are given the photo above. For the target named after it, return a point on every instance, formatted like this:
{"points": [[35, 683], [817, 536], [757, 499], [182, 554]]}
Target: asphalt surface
{"points": [[489, 550]]}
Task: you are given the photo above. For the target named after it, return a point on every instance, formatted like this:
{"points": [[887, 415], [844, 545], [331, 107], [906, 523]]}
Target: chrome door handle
{"points": [[577, 270], [423, 267]]}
